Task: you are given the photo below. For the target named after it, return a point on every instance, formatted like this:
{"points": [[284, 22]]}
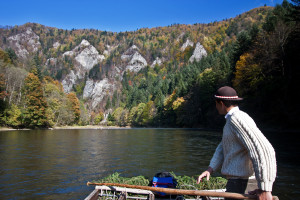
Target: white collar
{"points": [[232, 110]]}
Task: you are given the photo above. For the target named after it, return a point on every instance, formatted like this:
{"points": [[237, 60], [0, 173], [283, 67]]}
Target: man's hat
{"points": [[227, 93]]}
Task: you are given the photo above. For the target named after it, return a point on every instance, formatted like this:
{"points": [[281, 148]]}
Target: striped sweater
{"points": [[244, 151]]}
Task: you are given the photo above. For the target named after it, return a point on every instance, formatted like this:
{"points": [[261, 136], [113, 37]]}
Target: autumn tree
{"points": [[59, 111], [14, 78], [148, 114], [169, 116], [135, 114], [99, 117], [4, 56], [3, 94], [121, 116], [248, 74], [74, 105], [178, 107], [35, 103], [12, 116]]}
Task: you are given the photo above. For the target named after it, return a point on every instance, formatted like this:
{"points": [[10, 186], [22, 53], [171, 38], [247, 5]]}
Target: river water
{"points": [[57, 164]]}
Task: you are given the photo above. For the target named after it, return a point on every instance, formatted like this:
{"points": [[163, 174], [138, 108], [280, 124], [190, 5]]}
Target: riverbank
{"points": [[95, 127], [70, 127], [98, 127], [11, 129], [90, 127]]}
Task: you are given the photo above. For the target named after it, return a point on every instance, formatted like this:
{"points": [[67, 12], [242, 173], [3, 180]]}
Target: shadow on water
{"points": [[57, 164], [287, 184]]}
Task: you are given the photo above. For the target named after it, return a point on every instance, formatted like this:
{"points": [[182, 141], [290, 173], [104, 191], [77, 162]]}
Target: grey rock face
{"points": [[186, 44], [97, 90], [198, 54], [157, 61], [86, 57], [25, 42], [136, 63]]}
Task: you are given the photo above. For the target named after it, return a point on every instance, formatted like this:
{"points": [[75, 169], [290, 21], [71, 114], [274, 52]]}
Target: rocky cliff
{"points": [[198, 53], [24, 43], [72, 64], [85, 56]]}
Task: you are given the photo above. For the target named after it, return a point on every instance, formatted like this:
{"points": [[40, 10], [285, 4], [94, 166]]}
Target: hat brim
{"points": [[228, 99]]}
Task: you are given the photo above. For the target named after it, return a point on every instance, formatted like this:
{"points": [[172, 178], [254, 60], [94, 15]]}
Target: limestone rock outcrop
{"points": [[198, 53], [136, 63], [135, 60], [86, 57], [157, 61], [97, 90], [24, 43], [186, 44]]}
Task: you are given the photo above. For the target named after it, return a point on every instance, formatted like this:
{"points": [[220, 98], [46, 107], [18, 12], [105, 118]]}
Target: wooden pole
{"points": [[184, 192]]}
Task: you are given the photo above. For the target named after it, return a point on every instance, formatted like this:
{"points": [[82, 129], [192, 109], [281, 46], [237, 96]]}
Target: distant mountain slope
{"points": [[96, 64]]}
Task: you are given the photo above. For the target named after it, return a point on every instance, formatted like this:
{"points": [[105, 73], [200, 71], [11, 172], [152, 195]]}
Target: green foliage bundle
{"points": [[190, 183], [116, 178], [183, 182]]}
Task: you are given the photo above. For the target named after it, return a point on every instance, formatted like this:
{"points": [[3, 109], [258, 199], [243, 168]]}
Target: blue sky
{"points": [[122, 15]]}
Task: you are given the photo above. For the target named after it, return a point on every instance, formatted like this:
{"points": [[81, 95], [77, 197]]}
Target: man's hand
{"points": [[262, 195], [205, 174]]}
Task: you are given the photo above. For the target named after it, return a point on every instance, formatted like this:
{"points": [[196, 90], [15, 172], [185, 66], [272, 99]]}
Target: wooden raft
{"points": [[101, 191], [175, 191]]}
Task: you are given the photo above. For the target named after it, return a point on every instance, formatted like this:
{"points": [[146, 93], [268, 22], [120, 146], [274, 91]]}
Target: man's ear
{"points": [[223, 107], [222, 103]]}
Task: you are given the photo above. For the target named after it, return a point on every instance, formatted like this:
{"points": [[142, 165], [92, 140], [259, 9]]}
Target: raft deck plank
{"points": [[101, 191]]}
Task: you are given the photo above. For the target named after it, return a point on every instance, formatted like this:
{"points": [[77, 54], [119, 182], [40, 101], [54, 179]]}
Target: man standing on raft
{"points": [[245, 156]]}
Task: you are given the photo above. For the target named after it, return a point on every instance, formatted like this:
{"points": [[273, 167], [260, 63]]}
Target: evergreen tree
{"points": [[12, 55], [114, 101], [108, 104]]}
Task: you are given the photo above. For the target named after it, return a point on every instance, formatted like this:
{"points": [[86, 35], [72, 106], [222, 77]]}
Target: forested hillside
{"points": [[158, 77]]}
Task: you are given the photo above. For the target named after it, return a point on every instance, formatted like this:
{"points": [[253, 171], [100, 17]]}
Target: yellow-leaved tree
{"points": [[248, 74], [35, 103], [74, 106]]}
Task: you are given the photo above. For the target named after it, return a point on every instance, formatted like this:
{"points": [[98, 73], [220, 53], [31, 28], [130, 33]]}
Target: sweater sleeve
{"points": [[217, 159], [260, 150]]}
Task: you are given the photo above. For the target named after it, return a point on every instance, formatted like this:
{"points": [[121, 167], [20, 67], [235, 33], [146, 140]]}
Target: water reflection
{"points": [[57, 164]]}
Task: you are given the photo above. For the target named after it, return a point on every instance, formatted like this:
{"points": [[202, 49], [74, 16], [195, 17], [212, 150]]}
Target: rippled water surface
{"points": [[56, 164]]}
